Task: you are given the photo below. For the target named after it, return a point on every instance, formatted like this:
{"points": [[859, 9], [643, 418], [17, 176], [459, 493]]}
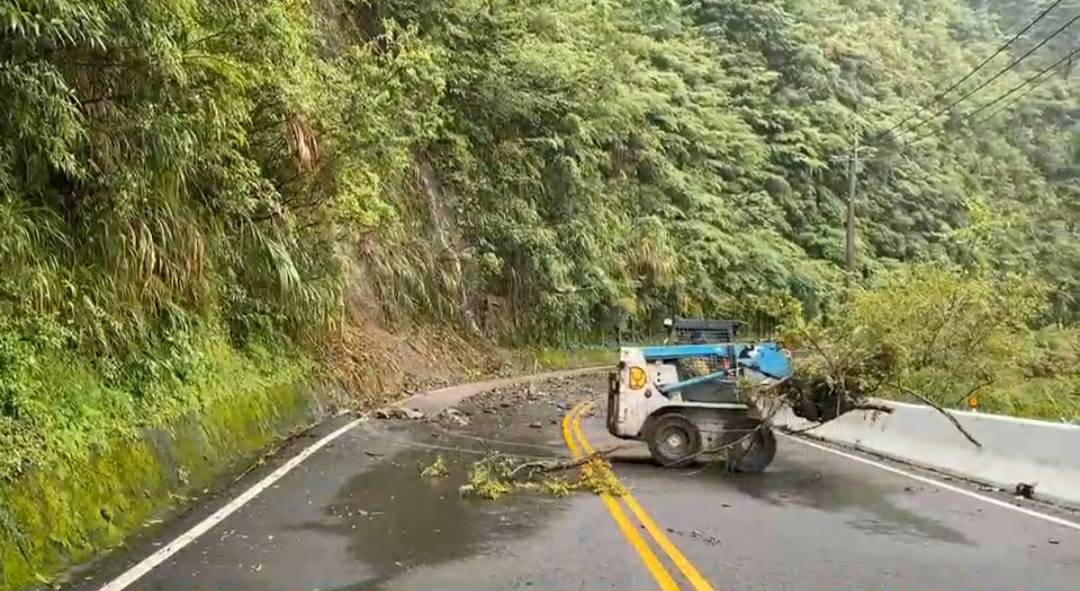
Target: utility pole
{"points": [[853, 164], [849, 247]]}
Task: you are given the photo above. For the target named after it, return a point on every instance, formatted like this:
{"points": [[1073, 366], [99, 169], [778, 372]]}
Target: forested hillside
{"points": [[191, 188]]}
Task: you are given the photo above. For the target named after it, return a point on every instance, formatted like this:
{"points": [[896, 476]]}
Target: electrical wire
{"points": [[997, 75], [1035, 82], [974, 71]]}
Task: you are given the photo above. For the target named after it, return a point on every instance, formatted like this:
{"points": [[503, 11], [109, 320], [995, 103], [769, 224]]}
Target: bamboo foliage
{"points": [[595, 164]]}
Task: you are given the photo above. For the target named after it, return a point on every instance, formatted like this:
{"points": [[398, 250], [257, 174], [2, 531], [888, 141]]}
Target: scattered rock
{"points": [[532, 394], [1026, 490], [535, 424], [1054, 541], [456, 417], [710, 540], [397, 412]]}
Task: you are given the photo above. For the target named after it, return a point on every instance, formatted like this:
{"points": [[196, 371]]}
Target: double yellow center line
{"points": [[579, 447]]}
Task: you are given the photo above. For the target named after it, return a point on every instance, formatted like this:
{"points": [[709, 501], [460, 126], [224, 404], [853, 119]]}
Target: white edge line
{"points": [[150, 562], [939, 484]]}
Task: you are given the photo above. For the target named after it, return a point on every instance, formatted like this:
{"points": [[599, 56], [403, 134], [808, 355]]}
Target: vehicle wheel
{"points": [[674, 440], [752, 444]]}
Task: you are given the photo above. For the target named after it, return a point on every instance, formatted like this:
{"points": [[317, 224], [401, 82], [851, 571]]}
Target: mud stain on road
{"points": [[396, 520], [874, 507]]}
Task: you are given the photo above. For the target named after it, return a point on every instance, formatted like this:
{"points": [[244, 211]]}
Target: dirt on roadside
{"points": [[515, 439], [526, 412], [375, 366]]}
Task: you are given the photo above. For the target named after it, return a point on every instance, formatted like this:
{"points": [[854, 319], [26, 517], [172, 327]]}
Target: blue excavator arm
{"points": [[766, 358]]}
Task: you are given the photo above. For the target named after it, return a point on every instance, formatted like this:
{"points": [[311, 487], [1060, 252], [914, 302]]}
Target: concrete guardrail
{"points": [[1014, 450]]}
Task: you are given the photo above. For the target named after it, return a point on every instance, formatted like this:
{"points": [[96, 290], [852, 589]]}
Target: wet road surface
{"points": [[358, 515]]}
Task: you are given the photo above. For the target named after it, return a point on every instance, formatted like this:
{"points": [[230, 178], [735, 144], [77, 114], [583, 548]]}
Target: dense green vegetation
{"points": [[955, 337], [185, 185]]}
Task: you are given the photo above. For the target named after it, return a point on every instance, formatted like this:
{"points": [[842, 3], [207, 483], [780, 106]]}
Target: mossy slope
{"points": [[52, 519]]}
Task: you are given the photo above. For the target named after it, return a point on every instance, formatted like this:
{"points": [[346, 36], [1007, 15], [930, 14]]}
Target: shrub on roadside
{"points": [[949, 335]]}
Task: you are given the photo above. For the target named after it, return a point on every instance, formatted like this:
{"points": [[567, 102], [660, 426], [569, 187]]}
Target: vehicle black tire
{"points": [[755, 445], [674, 440]]}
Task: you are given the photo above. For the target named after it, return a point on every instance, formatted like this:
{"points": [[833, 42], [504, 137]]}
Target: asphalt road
{"points": [[357, 514]]}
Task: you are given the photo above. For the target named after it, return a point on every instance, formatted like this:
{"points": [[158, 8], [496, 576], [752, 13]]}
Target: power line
{"points": [[1034, 81], [968, 76], [1008, 103], [997, 75]]}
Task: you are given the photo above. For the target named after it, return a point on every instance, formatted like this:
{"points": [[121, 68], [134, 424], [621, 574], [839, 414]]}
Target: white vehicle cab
{"points": [[684, 398]]}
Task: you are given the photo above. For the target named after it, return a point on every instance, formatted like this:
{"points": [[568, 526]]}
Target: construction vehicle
{"points": [[689, 396]]}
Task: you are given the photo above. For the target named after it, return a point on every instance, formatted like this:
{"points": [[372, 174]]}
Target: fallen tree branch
{"points": [[547, 466], [868, 406], [975, 389], [774, 385], [873, 407], [805, 429], [938, 408]]}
